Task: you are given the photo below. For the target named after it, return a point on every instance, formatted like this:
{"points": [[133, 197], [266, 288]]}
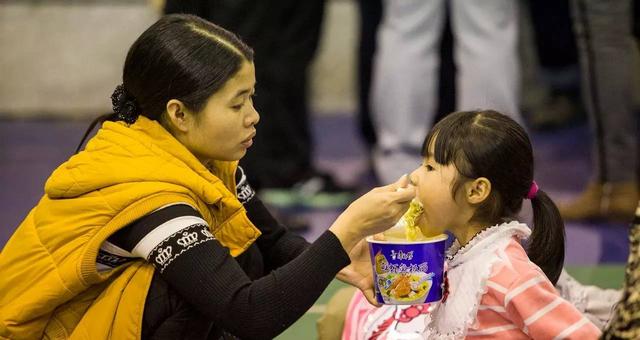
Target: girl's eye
{"points": [[429, 167]]}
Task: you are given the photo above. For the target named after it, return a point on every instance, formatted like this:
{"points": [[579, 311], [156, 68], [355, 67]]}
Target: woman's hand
{"points": [[373, 212], [360, 272]]}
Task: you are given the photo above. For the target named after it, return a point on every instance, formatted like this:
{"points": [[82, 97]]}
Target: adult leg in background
{"points": [[605, 45], [486, 54], [404, 91]]}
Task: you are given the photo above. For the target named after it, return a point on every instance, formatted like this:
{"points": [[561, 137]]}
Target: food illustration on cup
{"points": [[407, 265]]}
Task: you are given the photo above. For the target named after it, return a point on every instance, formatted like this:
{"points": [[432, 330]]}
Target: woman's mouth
{"points": [[249, 141]]}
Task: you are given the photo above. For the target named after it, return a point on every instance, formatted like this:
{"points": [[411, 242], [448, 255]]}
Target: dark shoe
{"points": [[557, 112], [318, 191], [585, 206], [622, 201], [612, 201]]}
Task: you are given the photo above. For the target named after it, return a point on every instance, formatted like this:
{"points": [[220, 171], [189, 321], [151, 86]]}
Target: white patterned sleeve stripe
{"points": [[492, 330], [546, 309], [174, 204], [521, 288], [157, 235], [497, 287], [102, 268], [572, 328], [498, 309], [113, 249]]}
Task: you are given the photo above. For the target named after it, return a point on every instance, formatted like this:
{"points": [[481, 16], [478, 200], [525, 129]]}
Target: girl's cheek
{"points": [[423, 199]]}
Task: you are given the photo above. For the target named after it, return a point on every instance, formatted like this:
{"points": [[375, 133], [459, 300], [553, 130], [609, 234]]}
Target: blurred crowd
{"points": [[419, 60]]}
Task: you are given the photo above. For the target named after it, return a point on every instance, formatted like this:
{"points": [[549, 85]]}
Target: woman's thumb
{"points": [[402, 182], [370, 295]]}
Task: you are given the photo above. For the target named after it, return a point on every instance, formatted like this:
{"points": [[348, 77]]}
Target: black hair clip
{"points": [[124, 105]]}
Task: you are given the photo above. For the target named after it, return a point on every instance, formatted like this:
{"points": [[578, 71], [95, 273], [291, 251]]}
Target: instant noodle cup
{"points": [[408, 272]]}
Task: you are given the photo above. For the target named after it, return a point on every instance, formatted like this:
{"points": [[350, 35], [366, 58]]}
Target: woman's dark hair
{"points": [[180, 57], [491, 145]]}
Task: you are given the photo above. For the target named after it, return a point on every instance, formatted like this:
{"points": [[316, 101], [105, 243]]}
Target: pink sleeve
{"points": [[536, 308], [357, 311]]}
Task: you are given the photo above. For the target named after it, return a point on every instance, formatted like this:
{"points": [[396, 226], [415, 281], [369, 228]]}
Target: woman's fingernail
{"points": [[411, 181]]}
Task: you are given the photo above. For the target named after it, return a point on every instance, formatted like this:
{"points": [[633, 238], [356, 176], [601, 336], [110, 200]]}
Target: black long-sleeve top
{"points": [[254, 296]]}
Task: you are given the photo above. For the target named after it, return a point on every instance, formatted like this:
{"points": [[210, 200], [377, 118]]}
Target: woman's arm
{"points": [[188, 257], [277, 244], [177, 242], [211, 280]]}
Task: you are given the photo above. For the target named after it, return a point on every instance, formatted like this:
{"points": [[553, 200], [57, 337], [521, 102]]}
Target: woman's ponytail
{"points": [[99, 120], [546, 244], [125, 108]]}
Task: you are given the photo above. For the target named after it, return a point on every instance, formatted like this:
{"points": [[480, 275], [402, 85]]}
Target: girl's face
{"points": [[225, 128], [433, 183]]}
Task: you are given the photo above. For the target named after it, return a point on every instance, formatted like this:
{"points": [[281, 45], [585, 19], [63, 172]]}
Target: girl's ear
{"points": [[178, 116], [478, 190]]}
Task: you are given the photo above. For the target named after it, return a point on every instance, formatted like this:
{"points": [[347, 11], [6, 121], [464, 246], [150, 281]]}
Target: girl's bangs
{"points": [[445, 141]]}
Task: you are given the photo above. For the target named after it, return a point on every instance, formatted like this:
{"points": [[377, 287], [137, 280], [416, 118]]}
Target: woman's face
{"points": [[225, 128]]}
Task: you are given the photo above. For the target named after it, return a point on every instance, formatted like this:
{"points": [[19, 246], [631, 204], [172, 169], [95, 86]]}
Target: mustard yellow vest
{"points": [[49, 286]]}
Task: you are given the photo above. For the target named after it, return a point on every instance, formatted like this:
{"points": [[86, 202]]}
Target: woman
{"points": [[142, 235]]}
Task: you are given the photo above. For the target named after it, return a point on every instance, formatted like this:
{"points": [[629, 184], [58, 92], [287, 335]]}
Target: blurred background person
{"points": [[285, 36], [554, 46], [606, 50], [404, 80], [626, 318], [370, 14]]}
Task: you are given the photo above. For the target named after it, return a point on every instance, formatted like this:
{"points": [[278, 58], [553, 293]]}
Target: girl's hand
{"points": [[373, 212], [360, 272]]}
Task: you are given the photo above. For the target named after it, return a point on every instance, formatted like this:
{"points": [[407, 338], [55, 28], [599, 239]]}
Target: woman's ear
{"points": [[478, 190], [178, 116]]}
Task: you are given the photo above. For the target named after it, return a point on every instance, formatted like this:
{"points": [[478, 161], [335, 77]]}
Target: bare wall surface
{"points": [[64, 57]]}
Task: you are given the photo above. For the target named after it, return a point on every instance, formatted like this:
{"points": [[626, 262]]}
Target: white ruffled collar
{"points": [[480, 243], [469, 268]]}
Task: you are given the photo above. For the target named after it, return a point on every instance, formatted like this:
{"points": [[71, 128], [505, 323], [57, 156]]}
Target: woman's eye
{"points": [[237, 107], [429, 167]]}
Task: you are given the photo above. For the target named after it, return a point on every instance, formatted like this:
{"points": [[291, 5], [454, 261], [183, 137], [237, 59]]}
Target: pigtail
{"points": [[546, 244]]}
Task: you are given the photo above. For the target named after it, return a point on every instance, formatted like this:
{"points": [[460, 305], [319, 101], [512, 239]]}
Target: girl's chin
{"points": [[430, 231]]}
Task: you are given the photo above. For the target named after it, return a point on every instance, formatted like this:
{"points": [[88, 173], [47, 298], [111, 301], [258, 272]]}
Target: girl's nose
{"points": [[413, 177]]}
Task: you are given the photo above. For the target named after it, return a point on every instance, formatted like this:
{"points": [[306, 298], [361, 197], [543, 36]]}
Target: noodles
{"points": [[412, 231]]}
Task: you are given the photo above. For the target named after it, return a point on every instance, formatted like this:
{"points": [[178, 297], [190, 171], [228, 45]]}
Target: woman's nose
{"points": [[253, 117]]}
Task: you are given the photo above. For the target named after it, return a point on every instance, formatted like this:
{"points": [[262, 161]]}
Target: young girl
{"points": [[477, 170]]}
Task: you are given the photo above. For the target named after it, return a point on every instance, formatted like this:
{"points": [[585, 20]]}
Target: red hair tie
{"points": [[533, 191]]}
